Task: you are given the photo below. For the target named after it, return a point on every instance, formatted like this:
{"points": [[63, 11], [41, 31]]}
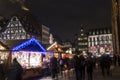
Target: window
{"points": [[93, 33], [23, 37], [20, 24], [8, 31], [92, 39], [18, 37], [78, 38], [97, 32], [8, 37], [12, 37], [4, 37], [107, 38], [20, 31], [16, 24], [92, 43], [82, 34], [96, 43], [12, 31], [108, 31], [16, 31], [86, 43], [95, 38], [85, 38]]}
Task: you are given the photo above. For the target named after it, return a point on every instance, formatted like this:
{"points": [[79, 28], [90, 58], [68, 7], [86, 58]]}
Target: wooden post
{"points": [[115, 33]]}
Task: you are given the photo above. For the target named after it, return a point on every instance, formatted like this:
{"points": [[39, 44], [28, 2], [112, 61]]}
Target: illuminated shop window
{"points": [[99, 37]]}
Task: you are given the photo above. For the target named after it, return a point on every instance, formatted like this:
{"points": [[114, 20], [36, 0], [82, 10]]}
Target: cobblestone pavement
{"points": [[96, 76]]}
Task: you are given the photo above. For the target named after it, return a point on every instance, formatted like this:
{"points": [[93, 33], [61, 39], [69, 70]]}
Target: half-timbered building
{"points": [[18, 28]]}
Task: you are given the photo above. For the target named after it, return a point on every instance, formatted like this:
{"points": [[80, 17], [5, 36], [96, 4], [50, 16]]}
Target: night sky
{"points": [[66, 17]]}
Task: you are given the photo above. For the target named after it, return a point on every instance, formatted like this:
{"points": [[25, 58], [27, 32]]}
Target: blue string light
{"points": [[27, 43]]}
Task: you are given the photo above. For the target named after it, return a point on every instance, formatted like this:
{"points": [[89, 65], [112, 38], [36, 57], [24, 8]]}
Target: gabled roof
{"points": [[55, 47], [30, 45], [52, 46]]}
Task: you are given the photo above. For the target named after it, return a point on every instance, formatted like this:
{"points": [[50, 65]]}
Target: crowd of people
{"points": [[66, 65], [79, 64]]}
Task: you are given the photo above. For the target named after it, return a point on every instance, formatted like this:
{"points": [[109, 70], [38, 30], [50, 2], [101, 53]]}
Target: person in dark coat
{"points": [[89, 67], [16, 70], [53, 66], [82, 65], [105, 63], [77, 67], [1, 72]]}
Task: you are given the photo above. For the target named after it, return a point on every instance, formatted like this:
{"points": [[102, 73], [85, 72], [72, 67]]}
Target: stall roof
{"points": [[52, 45], [30, 45], [55, 47]]}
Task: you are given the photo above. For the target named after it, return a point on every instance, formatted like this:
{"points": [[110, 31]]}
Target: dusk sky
{"points": [[65, 17]]}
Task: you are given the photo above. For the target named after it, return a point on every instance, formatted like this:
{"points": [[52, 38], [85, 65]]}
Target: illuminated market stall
{"points": [[56, 49], [4, 53], [29, 54]]}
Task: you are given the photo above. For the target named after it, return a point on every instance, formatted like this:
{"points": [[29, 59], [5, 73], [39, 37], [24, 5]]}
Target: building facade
{"points": [[19, 28], [100, 41], [82, 41], [45, 34]]}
